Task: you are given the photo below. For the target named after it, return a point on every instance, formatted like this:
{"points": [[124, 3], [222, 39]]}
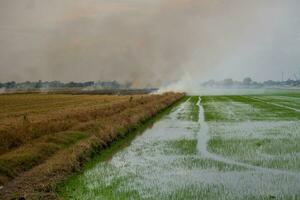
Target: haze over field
{"points": [[150, 42]]}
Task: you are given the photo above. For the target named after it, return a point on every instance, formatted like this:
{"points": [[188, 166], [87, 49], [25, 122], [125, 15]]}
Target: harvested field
{"points": [[44, 137], [25, 117]]}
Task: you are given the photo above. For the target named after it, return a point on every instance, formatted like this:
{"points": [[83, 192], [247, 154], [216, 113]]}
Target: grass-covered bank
{"points": [[120, 143], [40, 181]]}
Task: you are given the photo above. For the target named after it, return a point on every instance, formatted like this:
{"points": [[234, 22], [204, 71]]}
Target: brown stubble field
{"points": [[26, 117], [47, 136]]}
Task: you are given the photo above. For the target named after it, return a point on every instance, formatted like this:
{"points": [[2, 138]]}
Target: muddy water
{"points": [[171, 161]]}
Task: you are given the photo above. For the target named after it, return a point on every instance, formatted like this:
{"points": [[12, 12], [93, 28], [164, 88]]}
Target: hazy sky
{"points": [[150, 42]]}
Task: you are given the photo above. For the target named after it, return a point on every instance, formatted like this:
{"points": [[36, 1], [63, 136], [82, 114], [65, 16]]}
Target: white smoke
{"points": [[169, 43], [185, 84]]}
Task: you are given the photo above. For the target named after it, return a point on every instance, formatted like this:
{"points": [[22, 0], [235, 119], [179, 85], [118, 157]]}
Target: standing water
{"points": [[171, 160]]}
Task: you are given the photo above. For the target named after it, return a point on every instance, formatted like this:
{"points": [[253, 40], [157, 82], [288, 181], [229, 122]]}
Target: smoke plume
{"points": [[149, 42]]}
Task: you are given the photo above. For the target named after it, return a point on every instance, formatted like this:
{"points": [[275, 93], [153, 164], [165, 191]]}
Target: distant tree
{"points": [[73, 84], [128, 84], [10, 85], [247, 81], [38, 84], [115, 84], [228, 82], [88, 84], [56, 84], [270, 83], [209, 83]]}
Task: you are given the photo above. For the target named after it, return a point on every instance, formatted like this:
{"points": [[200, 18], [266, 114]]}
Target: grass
{"points": [[164, 162], [49, 158], [244, 108], [270, 153], [215, 191], [258, 132], [181, 147], [195, 162], [122, 142], [191, 113], [71, 184], [293, 102]]}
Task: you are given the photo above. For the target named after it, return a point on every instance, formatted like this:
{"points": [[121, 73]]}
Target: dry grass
{"points": [[53, 144], [27, 117]]}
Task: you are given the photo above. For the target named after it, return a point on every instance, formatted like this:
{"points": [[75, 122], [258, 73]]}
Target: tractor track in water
{"points": [[203, 139]]}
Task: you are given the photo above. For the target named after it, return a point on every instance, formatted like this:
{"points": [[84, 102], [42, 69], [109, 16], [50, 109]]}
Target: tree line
{"points": [[57, 84], [248, 82]]}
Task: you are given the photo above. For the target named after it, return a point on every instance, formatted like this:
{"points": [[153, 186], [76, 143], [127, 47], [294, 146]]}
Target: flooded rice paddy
{"points": [[223, 147]]}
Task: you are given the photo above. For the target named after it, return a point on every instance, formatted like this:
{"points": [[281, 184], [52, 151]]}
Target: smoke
{"points": [[149, 46], [2, 90], [170, 43]]}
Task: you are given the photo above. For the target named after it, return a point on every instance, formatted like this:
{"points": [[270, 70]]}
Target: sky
{"points": [[148, 42]]}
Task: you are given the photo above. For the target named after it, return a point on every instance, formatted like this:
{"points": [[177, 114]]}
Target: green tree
{"points": [[247, 81]]}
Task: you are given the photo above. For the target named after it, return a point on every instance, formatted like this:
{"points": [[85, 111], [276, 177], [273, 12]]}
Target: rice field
{"points": [[209, 147], [45, 138]]}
